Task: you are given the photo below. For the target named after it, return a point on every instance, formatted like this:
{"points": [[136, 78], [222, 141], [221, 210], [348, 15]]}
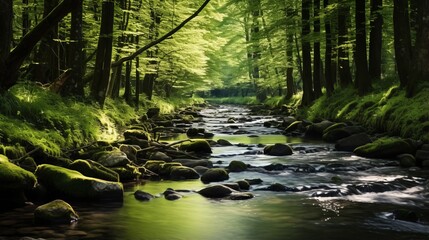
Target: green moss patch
{"points": [[384, 148], [14, 178]]}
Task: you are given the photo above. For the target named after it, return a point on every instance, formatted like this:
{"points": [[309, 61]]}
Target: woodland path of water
{"points": [[329, 195]]}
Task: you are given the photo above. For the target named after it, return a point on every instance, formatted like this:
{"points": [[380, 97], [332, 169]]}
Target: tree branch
{"points": [[151, 44]]}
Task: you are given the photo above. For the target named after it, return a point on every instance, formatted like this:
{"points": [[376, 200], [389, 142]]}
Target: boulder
{"points": [[93, 169], [14, 181], [237, 166], [183, 173], [243, 184], [56, 211], [153, 112], [114, 158], [159, 156], [277, 187], [384, 148], [339, 133], [224, 142], [216, 191], [200, 169], [232, 185], [241, 196], [154, 166], [297, 125], [136, 133], [197, 146], [215, 175], [195, 162], [407, 160], [73, 184], [28, 164], [350, 143], [195, 132], [278, 149], [334, 126], [171, 195], [130, 151], [166, 168], [127, 172], [143, 196], [316, 130], [288, 121]]}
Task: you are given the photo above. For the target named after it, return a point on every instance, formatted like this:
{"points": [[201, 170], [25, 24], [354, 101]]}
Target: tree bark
{"points": [[289, 55], [104, 54], [16, 57], [402, 36], [375, 39], [316, 61], [363, 80], [25, 18], [307, 96], [328, 51], [420, 69], [6, 17], [343, 50]]}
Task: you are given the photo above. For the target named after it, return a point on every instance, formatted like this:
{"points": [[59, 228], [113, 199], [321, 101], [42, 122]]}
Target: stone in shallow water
{"points": [[278, 149], [143, 196], [56, 211]]}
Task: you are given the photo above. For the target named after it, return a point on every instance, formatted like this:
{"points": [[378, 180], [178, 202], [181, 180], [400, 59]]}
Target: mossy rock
{"points": [[294, 126], [93, 169], [136, 133], [334, 126], [13, 177], [384, 148], [316, 129], [339, 133], [154, 166], [114, 158], [350, 143], [127, 173], [216, 191], [407, 160], [237, 166], [195, 162], [197, 146], [73, 184], [56, 211], [183, 173], [130, 151], [243, 184], [215, 175], [28, 164], [12, 152], [166, 168], [278, 149]]}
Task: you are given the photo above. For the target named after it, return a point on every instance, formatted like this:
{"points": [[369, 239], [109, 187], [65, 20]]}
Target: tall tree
{"points": [[25, 17], [363, 80], [289, 52], [402, 35], [375, 39], [317, 59], [420, 69], [343, 49], [307, 85], [104, 53], [6, 16], [328, 51], [255, 8]]}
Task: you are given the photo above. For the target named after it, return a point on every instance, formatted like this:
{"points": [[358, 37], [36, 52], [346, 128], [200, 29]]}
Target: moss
{"points": [[167, 167], [384, 148], [198, 146], [215, 175], [93, 169], [154, 166], [136, 133], [13, 152], [56, 211], [183, 173], [73, 184], [127, 172], [13, 177], [237, 166]]}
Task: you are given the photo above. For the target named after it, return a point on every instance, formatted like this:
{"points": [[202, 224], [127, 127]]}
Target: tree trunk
{"points": [[25, 18], [289, 55], [363, 79], [74, 86], [420, 69], [104, 54], [255, 6], [137, 94], [316, 61], [328, 52], [402, 36], [6, 18], [307, 96], [127, 93], [25, 46], [343, 50], [375, 39]]}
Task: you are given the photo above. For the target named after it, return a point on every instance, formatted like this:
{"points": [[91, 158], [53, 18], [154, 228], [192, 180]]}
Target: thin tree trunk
{"points": [[343, 50], [362, 74], [328, 51], [127, 93], [137, 94], [376, 39], [6, 18], [289, 56], [104, 54], [25, 18], [307, 96], [316, 62], [402, 36]]}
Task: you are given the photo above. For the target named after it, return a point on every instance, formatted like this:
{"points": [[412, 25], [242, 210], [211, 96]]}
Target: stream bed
{"points": [[363, 203]]}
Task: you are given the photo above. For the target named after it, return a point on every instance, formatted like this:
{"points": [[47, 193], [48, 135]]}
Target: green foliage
{"points": [[385, 111]]}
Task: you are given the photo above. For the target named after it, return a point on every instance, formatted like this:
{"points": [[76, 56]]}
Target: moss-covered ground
{"points": [[31, 116]]}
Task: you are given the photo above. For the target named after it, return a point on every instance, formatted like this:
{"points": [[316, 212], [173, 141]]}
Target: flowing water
{"points": [[361, 205]]}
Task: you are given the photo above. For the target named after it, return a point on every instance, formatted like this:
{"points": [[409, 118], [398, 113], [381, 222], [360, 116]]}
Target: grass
{"points": [[35, 117]]}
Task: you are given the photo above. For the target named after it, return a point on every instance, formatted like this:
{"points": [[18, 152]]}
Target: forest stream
{"points": [[329, 195]]}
